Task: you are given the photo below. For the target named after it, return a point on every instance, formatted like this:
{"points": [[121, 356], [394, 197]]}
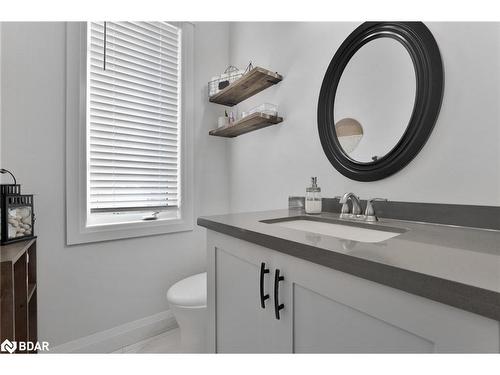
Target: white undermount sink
{"points": [[344, 231]]}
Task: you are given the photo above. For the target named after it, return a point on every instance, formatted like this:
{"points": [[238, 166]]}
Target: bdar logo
{"points": [[8, 346]]}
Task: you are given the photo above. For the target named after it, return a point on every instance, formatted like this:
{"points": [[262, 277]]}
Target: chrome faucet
{"points": [[356, 207], [370, 212], [355, 213]]}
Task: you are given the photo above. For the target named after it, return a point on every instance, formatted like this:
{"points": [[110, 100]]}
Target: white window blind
{"points": [[133, 115]]}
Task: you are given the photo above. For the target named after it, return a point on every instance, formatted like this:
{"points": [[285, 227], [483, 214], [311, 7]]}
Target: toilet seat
{"points": [[189, 292]]}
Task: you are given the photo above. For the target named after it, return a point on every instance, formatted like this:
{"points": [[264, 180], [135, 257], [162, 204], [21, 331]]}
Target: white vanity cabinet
{"points": [[243, 326], [325, 311]]}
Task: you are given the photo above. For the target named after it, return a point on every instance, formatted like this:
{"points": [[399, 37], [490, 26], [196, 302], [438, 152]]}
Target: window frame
{"points": [[112, 226]]}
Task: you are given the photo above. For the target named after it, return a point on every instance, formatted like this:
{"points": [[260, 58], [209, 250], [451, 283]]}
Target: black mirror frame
{"points": [[424, 52]]}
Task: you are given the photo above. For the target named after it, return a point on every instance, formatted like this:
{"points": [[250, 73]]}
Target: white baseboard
{"points": [[115, 338]]}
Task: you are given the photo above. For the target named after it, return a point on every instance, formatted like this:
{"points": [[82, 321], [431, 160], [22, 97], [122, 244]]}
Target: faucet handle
{"points": [[378, 200], [344, 211], [370, 212]]}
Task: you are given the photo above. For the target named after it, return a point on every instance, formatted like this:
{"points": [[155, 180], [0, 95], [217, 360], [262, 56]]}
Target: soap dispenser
{"points": [[313, 197]]}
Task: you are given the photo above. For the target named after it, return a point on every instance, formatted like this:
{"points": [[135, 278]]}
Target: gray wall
{"points": [[459, 164], [89, 288]]}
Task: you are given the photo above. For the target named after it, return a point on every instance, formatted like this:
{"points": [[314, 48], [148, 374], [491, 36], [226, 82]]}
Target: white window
{"points": [[134, 115], [135, 87]]}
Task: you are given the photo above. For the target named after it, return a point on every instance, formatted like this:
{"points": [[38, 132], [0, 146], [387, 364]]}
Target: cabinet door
{"points": [[334, 312], [241, 324]]}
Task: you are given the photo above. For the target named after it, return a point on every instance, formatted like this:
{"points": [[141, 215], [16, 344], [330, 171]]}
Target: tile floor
{"points": [[167, 342]]}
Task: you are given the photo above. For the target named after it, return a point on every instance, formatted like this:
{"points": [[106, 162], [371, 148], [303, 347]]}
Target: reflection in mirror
{"points": [[349, 133], [377, 89]]}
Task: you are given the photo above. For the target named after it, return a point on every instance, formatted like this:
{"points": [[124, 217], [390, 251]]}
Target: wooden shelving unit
{"points": [[18, 292], [249, 123], [31, 290], [250, 84]]}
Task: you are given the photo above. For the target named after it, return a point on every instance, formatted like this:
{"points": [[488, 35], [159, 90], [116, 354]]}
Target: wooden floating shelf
{"points": [[245, 125], [250, 84]]}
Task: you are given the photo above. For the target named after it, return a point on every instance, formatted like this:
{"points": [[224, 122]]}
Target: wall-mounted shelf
{"points": [[249, 123], [250, 84]]}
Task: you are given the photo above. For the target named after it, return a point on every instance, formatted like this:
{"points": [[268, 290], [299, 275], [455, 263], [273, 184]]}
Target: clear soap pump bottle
{"points": [[313, 197]]}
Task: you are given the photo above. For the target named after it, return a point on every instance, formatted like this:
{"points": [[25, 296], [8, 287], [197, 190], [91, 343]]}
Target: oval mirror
{"points": [[380, 98], [373, 110]]}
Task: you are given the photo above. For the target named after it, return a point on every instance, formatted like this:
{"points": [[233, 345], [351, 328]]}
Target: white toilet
{"points": [[188, 301]]}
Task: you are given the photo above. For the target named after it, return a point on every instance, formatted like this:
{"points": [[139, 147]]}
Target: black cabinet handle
{"points": [[263, 297], [277, 305]]}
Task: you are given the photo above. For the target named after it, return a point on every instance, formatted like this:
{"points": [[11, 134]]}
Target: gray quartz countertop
{"points": [[458, 266]]}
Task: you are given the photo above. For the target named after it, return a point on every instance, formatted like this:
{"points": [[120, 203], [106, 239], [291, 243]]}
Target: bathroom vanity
{"points": [[278, 281]]}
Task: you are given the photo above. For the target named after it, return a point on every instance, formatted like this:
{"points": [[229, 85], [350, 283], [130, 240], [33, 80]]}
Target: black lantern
{"points": [[16, 215]]}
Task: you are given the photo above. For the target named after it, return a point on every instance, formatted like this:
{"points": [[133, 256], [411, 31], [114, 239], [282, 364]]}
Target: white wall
{"points": [[459, 164], [89, 288]]}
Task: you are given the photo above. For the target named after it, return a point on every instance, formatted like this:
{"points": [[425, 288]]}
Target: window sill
{"points": [[126, 218], [128, 225]]}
